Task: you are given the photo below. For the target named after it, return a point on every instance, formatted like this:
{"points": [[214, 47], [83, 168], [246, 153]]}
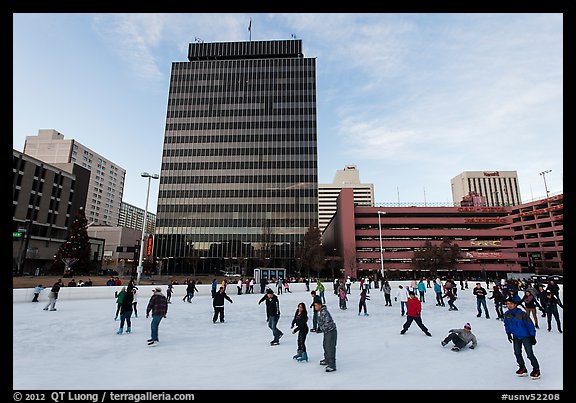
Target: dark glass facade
{"points": [[238, 183]]}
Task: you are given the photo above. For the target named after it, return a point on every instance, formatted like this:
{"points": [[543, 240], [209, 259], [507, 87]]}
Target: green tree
{"points": [[75, 252]]}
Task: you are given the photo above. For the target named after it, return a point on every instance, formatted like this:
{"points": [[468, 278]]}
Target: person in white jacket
{"points": [[402, 295], [239, 286]]}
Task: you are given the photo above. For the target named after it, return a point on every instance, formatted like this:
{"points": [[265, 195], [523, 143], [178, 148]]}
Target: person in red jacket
{"points": [[413, 314]]}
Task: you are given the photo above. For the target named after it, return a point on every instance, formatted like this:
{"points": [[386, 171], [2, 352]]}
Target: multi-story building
{"points": [[498, 188], [45, 200], [121, 249], [238, 184], [133, 217], [355, 233], [106, 178], [349, 177], [539, 234]]}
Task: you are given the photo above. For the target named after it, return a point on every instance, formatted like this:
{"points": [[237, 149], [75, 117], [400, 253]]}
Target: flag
{"points": [[250, 25]]}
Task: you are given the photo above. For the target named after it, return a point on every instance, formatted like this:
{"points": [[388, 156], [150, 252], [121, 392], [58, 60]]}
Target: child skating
{"points": [[300, 325], [362, 302]]}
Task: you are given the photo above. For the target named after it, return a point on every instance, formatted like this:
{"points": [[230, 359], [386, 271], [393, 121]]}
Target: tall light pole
{"points": [[143, 240], [380, 233], [543, 174]]}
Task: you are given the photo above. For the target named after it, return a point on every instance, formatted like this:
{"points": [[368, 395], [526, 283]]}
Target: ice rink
{"points": [[76, 347]]}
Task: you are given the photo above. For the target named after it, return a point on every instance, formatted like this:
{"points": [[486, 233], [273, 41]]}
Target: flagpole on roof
{"points": [[250, 29]]}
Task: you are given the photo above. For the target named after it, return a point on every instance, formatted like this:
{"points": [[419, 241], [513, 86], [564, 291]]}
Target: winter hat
{"points": [[467, 326], [157, 289]]}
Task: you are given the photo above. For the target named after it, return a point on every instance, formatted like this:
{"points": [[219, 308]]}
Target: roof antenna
{"points": [[196, 39]]}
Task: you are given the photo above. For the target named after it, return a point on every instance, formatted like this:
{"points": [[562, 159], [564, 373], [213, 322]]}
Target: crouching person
{"points": [[460, 338]]}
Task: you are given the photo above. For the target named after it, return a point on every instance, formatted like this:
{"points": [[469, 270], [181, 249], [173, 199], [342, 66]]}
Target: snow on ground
{"points": [[76, 347]]}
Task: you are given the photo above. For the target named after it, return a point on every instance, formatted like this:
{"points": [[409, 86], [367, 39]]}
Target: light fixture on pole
{"points": [[543, 174], [143, 240], [381, 253]]}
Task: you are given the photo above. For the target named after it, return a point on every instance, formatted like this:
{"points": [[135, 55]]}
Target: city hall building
{"points": [[238, 184]]}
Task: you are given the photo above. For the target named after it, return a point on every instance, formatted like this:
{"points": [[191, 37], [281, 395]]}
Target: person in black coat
{"points": [[552, 304], [300, 325], [263, 284], [218, 304], [190, 289], [499, 301], [126, 312], [273, 313], [541, 295]]}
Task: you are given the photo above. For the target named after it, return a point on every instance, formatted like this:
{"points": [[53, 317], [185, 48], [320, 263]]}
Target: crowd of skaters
{"points": [[520, 318]]}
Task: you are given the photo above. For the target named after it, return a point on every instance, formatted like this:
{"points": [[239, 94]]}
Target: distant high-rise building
{"points": [[498, 188], [106, 178], [238, 183], [133, 217], [349, 177]]}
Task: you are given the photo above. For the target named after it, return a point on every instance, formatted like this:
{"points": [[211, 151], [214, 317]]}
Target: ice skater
{"points": [[37, 290], [190, 289], [300, 325], [169, 292], [480, 293], [126, 312], [402, 295], [552, 304], [119, 298], [460, 338], [531, 303], [327, 326], [273, 313], [135, 301], [53, 296], [413, 314], [320, 290], [522, 334], [387, 292], [342, 298], [438, 292], [448, 293], [158, 305], [422, 290], [499, 301], [362, 302], [218, 304], [315, 315]]}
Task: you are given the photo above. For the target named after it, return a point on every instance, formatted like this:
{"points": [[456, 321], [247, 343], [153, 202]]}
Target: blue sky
{"points": [[411, 99]]}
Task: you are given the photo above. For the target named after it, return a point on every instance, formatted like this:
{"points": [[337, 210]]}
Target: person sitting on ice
{"points": [[460, 338]]}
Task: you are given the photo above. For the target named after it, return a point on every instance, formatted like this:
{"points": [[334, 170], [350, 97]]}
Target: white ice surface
{"points": [[76, 347]]}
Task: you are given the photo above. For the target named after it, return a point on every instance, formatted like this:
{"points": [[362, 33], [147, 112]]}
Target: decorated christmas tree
{"points": [[75, 252]]}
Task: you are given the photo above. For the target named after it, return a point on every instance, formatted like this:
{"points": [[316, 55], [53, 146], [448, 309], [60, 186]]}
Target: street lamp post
{"points": [[381, 252], [143, 241], [543, 174]]}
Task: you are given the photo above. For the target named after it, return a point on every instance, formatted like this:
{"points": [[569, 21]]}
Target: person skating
{"points": [[553, 287], [239, 286], [448, 293], [190, 289], [499, 301], [158, 306], [320, 290], [307, 283], [37, 290], [218, 304], [402, 295], [387, 292], [53, 295], [342, 298], [413, 314], [300, 325], [521, 333], [287, 286], [541, 295], [135, 301], [480, 293], [126, 311], [438, 292], [273, 313], [348, 284], [531, 303], [119, 298], [552, 304], [315, 314], [263, 284], [169, 291], [460, 338], [422, 290], [327, 326], [362, 302]]}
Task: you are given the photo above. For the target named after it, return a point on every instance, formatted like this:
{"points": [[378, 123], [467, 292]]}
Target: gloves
{"points": [[471, 347], [533, 340], [510, 337], [395, 299]]}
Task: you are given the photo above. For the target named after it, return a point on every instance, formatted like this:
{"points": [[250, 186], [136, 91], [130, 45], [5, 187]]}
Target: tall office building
{"points": [[238, 183], [498, 188], [133, 217], [106, 178], [349, 177]]}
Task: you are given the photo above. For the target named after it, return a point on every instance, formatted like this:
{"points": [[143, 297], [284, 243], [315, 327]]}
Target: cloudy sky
{"points": [[411, 99]]}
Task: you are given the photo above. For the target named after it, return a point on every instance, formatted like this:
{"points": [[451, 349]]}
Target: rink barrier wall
{"points": [[144, 291]]}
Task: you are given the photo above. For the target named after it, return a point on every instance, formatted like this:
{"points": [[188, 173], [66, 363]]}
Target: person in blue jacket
{"points": [[438, 291], [521, 333], [422, 290]]}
